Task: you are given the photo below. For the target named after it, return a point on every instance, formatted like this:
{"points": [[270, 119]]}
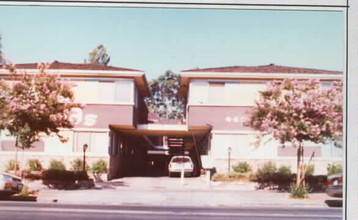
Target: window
{"points": [[97, 141], [198, 93], [124, 91], [106, 92], [233, 92], [86, 91], [216, 92], [82, 138]]}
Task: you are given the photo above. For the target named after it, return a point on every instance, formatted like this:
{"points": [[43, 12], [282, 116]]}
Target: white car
{"points": [[10, 184], [177, 163]]}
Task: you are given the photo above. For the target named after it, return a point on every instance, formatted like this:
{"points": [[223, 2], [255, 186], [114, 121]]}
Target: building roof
{"points": [[265, 72], [88, 70], [271, 68], [56, 65]]}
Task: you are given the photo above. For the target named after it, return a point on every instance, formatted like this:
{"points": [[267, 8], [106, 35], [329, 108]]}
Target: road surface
{"points": [[40, 211]]}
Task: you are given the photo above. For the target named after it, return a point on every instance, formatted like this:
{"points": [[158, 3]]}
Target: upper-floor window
{"points": [[242, 93], [111, 91], [216, 92]]}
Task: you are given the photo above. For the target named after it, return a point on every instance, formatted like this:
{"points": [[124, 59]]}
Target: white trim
{"points": [[109, 103], [350, 118], [234, 132], [169, 127], [233, 75], [66, 154], [42, 153], [98, 130], [64, 72], [215, 4], [239, 81], [218, 105], [280, 158], [316, 158]]}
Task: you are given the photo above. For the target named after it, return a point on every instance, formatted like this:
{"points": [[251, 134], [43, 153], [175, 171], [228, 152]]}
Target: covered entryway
{"points": [[146, 150]]}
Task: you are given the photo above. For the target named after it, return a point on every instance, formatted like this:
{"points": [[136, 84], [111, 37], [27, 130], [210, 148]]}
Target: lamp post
{"points": [[229, 149], [85, 147]]}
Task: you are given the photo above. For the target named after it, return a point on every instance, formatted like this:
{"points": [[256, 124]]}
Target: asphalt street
{"points": [[39, 211]]}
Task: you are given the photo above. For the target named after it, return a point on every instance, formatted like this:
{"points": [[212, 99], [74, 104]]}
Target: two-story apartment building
{"points": [[111, 96], [222, 99], [114, 121]]}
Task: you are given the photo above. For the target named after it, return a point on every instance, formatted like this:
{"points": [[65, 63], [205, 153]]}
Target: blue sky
{"points": [[156, 40]]}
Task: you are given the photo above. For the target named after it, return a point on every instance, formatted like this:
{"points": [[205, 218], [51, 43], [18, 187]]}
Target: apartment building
{"points": [[114, 121], [111, 95], [222, 99]]}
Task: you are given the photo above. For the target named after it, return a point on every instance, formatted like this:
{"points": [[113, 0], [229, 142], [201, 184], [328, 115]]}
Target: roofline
{"points": [[139, 76], [185, 77], [67, 72], [243, 75]]}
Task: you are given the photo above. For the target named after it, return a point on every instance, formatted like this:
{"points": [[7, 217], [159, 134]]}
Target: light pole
{"points": [[229, 154], [85, 147]]}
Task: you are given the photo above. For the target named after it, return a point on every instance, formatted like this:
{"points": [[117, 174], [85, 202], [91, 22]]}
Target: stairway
{"points": [[176, 145]]}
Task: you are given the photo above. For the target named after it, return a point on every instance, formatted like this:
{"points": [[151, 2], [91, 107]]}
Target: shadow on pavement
{"points": [[334, 202], [111, 185], [19, 198]]}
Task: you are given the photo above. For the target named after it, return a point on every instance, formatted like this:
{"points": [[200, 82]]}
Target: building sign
{"points": [[79, 118], [220, 117], [102, 116]]}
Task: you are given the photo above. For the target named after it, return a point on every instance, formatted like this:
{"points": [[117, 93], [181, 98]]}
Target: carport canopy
{"points": [[162, 130]]}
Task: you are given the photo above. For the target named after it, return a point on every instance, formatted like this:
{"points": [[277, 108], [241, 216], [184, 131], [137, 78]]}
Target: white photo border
{"points": [[347, 7]]}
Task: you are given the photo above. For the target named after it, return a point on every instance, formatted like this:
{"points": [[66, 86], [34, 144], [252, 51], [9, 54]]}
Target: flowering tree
{"points": [[36, 104], [2, 59], [4, 91], [296, 111]]}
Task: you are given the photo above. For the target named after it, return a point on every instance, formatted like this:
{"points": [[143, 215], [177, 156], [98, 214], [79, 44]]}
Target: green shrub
{"points": [[32, 176], [34, 165], [56, 165], [316, 181], [24, 191], [283, 177], [218, 177], [309, 170], [77, 165], [242, 167], [266, 173], [231, 177], [99, 167], [11, 166], [284, 170], [299, 192], [58, 175], [63, 175], [80, 175], [334, 169]]}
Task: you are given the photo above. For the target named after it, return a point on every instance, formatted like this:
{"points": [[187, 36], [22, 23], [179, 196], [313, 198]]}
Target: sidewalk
{"points": [[169, 191]]}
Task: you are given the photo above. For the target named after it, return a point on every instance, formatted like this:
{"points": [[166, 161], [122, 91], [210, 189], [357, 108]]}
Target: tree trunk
{"points": [[298, 173], [300, 176], [21, 163], [16, 160], [303, 170]]}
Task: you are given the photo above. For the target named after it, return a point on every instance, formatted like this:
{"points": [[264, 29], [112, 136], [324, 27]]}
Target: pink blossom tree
{"points": [[295, 111], [35, 105], [4, 94]]}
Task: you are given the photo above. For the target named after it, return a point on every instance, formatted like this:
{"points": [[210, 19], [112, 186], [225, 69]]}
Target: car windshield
{"points": [[181, 160]]}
